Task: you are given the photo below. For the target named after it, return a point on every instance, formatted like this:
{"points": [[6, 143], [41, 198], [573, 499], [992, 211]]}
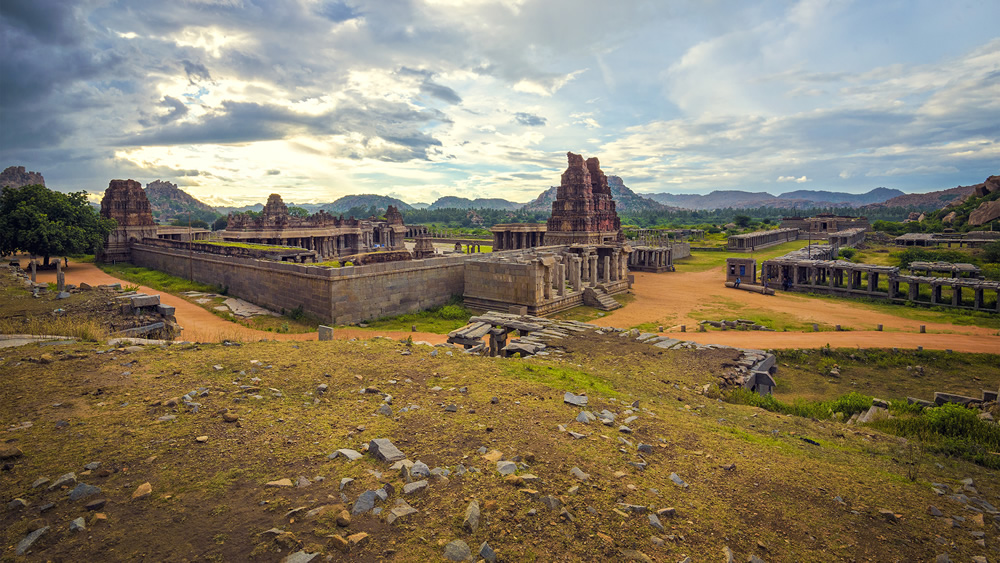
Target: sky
{"points": [[418, 99]]}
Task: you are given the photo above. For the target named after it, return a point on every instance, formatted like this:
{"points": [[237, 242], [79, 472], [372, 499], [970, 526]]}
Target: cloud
{"points": [[273, 172], [529, 119], [799, 180]]}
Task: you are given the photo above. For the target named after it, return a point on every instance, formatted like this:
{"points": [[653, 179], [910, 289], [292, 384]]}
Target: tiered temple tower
{"points": [[125, 201], [583, 212]]}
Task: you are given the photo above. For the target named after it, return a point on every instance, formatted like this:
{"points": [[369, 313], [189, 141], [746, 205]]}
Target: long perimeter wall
{"points": [[335, 295]]}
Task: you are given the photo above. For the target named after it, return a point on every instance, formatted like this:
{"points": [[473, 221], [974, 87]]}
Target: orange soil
{"points": [[671, 298], [199, 325]]}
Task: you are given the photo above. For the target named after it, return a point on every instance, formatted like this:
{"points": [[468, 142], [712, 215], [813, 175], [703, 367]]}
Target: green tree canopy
{"points": [[295, 211], [46, 223]]}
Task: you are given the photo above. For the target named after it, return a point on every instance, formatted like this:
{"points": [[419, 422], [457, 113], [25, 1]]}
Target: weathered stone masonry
{"points": [[336, 295]]}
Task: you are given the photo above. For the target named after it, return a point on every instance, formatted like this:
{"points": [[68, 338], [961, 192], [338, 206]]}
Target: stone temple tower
{"points": [[583, 212], [125, 201]]}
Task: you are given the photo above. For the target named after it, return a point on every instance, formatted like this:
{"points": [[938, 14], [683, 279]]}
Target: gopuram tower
{"points": [[583, 212]]}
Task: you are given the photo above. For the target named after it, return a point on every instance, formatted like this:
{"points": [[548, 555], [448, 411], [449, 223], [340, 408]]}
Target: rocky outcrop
{"points": [[985, 213], [991, 185], [168, 202], [17, 176]]}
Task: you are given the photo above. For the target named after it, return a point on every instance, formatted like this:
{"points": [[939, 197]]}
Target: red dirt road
{"points": [[199, 325], [671, 298]]}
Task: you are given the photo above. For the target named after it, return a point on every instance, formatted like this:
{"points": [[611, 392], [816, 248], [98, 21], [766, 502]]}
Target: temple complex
{"points": [[583, 213], [328, 236], [125, 202], [823, 224]]}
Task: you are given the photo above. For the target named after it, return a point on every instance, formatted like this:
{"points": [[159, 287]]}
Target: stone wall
{"points": [[335, 295]]}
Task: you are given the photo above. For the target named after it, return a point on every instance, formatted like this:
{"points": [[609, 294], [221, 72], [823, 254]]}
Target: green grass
{"points": [[729, 310], [155, 279], [439, 320], [701, 261], [562, 378], [920, 312]]}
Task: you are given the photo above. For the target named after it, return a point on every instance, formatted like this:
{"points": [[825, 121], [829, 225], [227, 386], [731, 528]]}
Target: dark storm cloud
{"points": [[196, 71], [529, 119]]}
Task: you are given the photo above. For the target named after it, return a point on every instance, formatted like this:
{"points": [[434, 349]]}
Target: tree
{"points": [[742, 221], [193, 223], [46, 223], [295, 211], [991, 252], [221, 223]]}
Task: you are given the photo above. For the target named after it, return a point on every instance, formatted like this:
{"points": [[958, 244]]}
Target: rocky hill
{"points": [[380, 202], [453, 202], [930, 200], [17, 176], [720, 199], [626, 201], [169, 203]]}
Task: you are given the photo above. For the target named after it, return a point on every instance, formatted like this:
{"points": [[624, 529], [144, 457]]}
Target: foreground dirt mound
{"points": [[261, 451]]}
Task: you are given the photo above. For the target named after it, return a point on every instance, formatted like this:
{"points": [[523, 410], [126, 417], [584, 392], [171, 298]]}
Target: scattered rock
{"points": [[414, 487], [339, 543], [17, 504], [350, 454], [579, 474], [279, 483], [201, 439], [78, 525], [678, 481], [655, 522], [357, 540], [635, 555], [143, 491], [25, 544], [506, 467], [487, 554], [364, 503], [83, 490], [457, 550], [344, 518], [230, 417], [575, 400], [383, 450], [96, 504], [300, 557], [67, 480], [889, 516], [385, 410], [471, 522]]}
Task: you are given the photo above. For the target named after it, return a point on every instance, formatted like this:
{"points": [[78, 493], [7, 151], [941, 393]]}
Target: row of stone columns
{"points": [[650, 258], [515, 240], [589, 269]]}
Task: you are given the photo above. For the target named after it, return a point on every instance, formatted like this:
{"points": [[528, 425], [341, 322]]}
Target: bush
{"points": [[848, 253], [453, 312]]}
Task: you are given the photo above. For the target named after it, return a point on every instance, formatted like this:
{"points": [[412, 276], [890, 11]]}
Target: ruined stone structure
{"points": [[848, 237], [651, 259], [823, 224], [125, 202], [661, 237], [956, 270], [583, 212], [424, 247], [760, 239], [744, 269], [547, 280], [822, 273], [518, 236], [329, 236], [971, 239], [169, 232], [18, 177]]}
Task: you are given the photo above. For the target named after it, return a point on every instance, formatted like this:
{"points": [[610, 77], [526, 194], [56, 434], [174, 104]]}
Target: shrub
{"points": [[453, 312], [848, 253]]}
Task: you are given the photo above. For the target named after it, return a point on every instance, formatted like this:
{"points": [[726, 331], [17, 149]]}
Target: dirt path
{"points": [[202, 326], [670, 299]]}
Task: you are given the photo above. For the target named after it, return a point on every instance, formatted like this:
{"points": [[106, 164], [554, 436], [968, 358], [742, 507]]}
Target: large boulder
{"points": [[985, 213]]}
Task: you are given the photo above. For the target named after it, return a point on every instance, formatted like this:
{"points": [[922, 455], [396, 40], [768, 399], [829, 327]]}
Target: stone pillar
{"points": [[978, 299], [561, 279], [547, 281], [956, 296], [607, 269], [872, 282], [60, 277], [914, 292], [575, 272], [831, 278], [33, 264], [935, 294], [593, 270]]}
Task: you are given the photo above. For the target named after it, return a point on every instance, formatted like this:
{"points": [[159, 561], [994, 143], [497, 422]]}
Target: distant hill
{"points": [[452, 202], [421, 205], [929, 201], [169, 202], [626, 201], [381, 202], [17, 176], [736, 199]]}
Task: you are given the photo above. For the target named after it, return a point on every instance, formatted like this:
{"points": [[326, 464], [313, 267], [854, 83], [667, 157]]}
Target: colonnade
{"points": [[650, 258]]}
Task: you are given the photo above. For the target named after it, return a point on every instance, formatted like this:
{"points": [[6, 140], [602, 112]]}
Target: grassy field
{"points": [[155, 279], [753, 483], [439, 320], [701, 261]]}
